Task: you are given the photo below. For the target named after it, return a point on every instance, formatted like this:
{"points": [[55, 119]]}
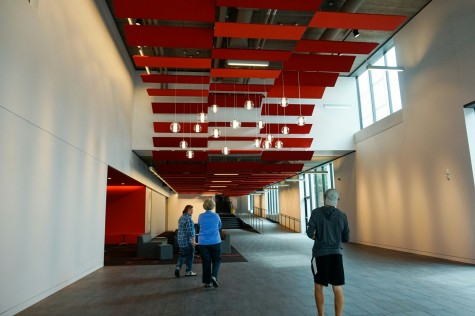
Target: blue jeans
{"points": [[186, 255], [210, 260]]}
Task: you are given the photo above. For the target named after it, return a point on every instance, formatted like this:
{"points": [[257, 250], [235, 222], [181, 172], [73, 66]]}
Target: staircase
{"points": [[230, 221]]}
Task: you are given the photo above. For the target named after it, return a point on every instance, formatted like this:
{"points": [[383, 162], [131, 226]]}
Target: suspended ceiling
{"points": [[182, 48]]}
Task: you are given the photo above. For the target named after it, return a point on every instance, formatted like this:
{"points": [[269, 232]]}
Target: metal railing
{"points": [[287, 221], [252, 220]]}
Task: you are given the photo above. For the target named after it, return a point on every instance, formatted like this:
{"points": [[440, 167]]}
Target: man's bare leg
{"points": [[319, 298], [338, 291]]}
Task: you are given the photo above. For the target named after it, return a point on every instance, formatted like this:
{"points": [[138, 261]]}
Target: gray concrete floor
{"points": [[276, 281]]}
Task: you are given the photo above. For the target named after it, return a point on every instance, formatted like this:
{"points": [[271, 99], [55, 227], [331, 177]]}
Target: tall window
{"points": [[379, 91]]}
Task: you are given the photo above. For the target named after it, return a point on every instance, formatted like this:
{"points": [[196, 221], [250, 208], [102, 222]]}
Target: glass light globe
{"points": [[284, 102], [183, 144], [269, 138], [190, 154], [175, 127], [226, 151], [266, 144], [197, 128], [235, 124], [202, 117], [285, 129], [248, 105], [214, 108], [257, 142], [260, 124], [279, 144], [216, 133], [301, 121]]}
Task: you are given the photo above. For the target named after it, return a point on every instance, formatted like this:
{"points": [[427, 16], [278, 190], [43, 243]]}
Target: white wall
{"points": [[176, 204], [66, 101], [345, 183], [404, 199]]}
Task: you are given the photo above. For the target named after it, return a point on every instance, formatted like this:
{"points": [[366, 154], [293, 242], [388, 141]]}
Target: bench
{"points": [[157, 247]]}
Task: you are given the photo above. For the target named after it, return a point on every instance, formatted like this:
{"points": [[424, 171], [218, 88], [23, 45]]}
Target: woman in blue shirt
{"points": [[210, 243]]}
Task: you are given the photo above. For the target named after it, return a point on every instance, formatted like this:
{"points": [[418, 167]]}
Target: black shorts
{"points": [[328, 270]]}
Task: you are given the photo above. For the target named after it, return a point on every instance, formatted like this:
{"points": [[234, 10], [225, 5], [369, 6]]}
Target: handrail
{"points": [[252, 220]]}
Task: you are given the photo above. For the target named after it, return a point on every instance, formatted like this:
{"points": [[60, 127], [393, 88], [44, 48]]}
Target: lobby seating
{"points": [[157, 247]]}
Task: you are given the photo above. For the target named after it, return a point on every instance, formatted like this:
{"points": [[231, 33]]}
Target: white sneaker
{"points": [[214, 281], [190, 273]]}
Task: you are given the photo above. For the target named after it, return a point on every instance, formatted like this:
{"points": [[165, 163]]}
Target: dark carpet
{"points": [[122, 255]]}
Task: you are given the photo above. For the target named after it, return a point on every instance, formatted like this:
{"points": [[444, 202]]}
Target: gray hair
{"points": [[208, 204]]}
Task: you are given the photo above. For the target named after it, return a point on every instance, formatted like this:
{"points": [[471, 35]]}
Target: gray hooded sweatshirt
{"points": [[329, 227]]}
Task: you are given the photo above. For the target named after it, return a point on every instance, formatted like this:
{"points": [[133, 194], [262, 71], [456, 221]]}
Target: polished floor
{"points": [[275, 281]]}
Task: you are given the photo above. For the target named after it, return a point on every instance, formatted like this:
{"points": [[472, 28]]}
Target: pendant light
{"points": [[300, 119], [197, 128], [175, 126], [279, 144], [183, 144], [214, 106], [284, 102], [249, 104], [190, 154], [216, 133]]}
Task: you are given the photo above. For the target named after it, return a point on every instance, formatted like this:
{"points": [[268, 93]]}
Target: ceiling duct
{"points": [[350, 6]]}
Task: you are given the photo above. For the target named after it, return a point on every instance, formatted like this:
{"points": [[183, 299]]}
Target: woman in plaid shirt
{"points": [[186, 241]]}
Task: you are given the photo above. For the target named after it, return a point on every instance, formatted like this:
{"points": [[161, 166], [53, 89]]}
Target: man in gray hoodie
{"points": [[328, 226]]}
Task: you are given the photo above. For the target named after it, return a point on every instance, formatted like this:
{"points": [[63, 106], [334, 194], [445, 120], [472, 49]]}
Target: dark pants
{"points": [[210, 260]]}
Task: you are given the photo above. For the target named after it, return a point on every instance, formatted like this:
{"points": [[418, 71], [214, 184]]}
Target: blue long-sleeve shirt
{"points": [[329, 227], [210, 224]]}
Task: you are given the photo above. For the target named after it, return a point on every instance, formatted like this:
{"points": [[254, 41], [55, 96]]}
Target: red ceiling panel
{"points": [[287, 155], [335, 47], [304, 78], [344, 20], [250, 54], [269, 31], [239, 87], [294, 142], [290, 110], [232, 166], [178, 155], [175, 141], [244, 73], [186, 127], [234, 100], [155, 78], [179, 108], [172, 62], [295, 5], [313, 62], [305, 92], [168, 36], [177, 92], [294, 128], [186, 10], [281, 167], [180, 168]]}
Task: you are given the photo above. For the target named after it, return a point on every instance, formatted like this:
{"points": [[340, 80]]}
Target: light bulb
{"points": [[267, 144], [216, 133], [214, 108], [175, 127], [226, 150], [235, 124], [260, 124], [301, 121], [279, 144], [257, 142], [190, 154], [284, 102], [269, 138], [183, 144], [285, 129], [197, 128], [202, 117], [248, 105]]}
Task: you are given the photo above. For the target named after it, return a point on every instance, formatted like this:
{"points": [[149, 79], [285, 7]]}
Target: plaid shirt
{"points": [[186, 230]]}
